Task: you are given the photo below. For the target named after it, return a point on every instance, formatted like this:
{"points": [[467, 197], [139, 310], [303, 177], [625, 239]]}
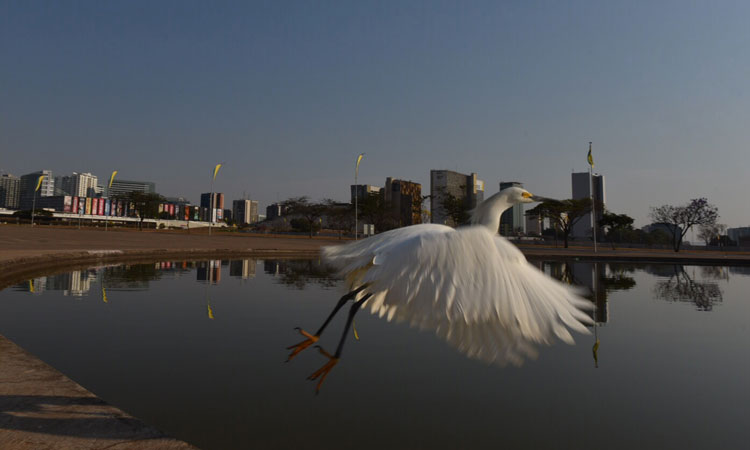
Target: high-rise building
{"points": [[512, 220], [363, 191], [77, 185], [217, 204], [534, 226], [10, 191], [120, 188], [245, 211], [404, 198], [443, 183], [275, 210], [28, 188], [582, 189]]}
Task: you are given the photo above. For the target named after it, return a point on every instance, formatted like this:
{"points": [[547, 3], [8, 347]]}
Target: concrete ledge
{"points": [[40, 408]]}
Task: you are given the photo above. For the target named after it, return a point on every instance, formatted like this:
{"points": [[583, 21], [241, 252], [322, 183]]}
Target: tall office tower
{"points": [[10, 191], [443, 183], [217, 204], [404, 199], [122, 187], [245, 211], [363, 191], [77, 185], [581, 189], [512, 220], [275, 210], [28, 186]]}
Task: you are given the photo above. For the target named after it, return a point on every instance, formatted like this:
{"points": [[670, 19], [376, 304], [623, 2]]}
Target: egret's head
{"points": [[520, 195]]}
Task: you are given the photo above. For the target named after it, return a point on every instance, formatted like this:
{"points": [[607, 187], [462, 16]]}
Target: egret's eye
{"points": [[527, 195]]}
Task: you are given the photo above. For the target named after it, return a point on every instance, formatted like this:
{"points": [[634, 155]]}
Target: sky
{"points": [[286, 94]]}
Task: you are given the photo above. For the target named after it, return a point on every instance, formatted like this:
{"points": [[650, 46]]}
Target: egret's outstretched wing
{"points": [[474, 276], [352, 257]]}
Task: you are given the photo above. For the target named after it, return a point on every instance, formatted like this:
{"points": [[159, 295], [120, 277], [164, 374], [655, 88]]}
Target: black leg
{"points": [[313, 338], [338, 306], [352, 312]]}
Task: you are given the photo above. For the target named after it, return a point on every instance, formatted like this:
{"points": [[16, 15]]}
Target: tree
{"points": [[146, 205], [615, 225], [372, 209], [563, 214], [680, 219], [711, 232], [455, 208], [311, 213], [340, 215]]}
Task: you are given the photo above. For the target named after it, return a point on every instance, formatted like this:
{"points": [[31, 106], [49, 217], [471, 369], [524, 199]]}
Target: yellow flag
{"points": [[210, 312], [216, 170], [31, 286], [359, 160], [39, 183], [104, 295], [354, 327], [590, 157], [112, 178]]}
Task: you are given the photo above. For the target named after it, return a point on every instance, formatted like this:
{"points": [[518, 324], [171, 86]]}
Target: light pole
{"points": [[356, 195], [211, 199], [591, 195], [111, 179], [33, 200]]}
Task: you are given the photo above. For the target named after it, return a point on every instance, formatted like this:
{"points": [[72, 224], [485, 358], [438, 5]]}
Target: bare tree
{"points": [[711, 232], [563, 214], [680, 219]]}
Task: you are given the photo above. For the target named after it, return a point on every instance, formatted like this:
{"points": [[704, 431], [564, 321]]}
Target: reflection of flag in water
{"points": [[31, 286], [210, 311], [104, 295], [595, 350], [354, 327]]}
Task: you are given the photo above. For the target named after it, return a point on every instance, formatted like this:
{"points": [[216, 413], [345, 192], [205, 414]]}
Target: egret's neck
{"points": [[489, 211]]}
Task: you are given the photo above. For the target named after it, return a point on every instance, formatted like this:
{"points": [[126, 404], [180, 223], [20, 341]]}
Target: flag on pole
{"points": [[112, 178], [590, 157], [216, 170], [359, 160], [39, 183]]}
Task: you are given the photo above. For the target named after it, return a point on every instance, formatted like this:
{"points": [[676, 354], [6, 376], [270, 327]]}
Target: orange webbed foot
{"points": [[298, 347], [323, 371]]}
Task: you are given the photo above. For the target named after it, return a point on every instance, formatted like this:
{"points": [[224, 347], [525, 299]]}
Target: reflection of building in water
{"points": [[209, 271], [244, 268], [739, 270], [663, 270], [591, 275], [271, 267]]}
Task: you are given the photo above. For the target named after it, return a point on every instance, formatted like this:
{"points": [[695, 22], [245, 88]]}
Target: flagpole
{"points": [[33, 207], [211, 207], [356, 196], [591, 196]]}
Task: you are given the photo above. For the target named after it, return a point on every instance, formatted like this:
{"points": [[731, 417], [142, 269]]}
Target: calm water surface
{"points": [[198, 349]]}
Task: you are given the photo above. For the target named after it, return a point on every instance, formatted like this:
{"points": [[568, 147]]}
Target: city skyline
{"points": [[288, 94]]}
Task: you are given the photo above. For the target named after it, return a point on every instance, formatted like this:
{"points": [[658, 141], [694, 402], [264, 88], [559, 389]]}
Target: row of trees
{"points": [[678, 220]]}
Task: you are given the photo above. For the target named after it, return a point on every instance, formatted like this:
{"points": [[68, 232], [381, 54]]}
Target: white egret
{"points": [[470, 285]]}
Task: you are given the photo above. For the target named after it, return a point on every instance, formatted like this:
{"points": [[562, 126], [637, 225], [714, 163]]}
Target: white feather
{"points": [[471, 286]]}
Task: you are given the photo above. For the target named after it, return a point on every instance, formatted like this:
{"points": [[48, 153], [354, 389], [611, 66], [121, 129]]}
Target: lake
{"points": [[198, 350]]}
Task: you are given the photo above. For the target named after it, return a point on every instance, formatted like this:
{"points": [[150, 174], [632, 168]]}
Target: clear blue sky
{"points": [[288, 93]]}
